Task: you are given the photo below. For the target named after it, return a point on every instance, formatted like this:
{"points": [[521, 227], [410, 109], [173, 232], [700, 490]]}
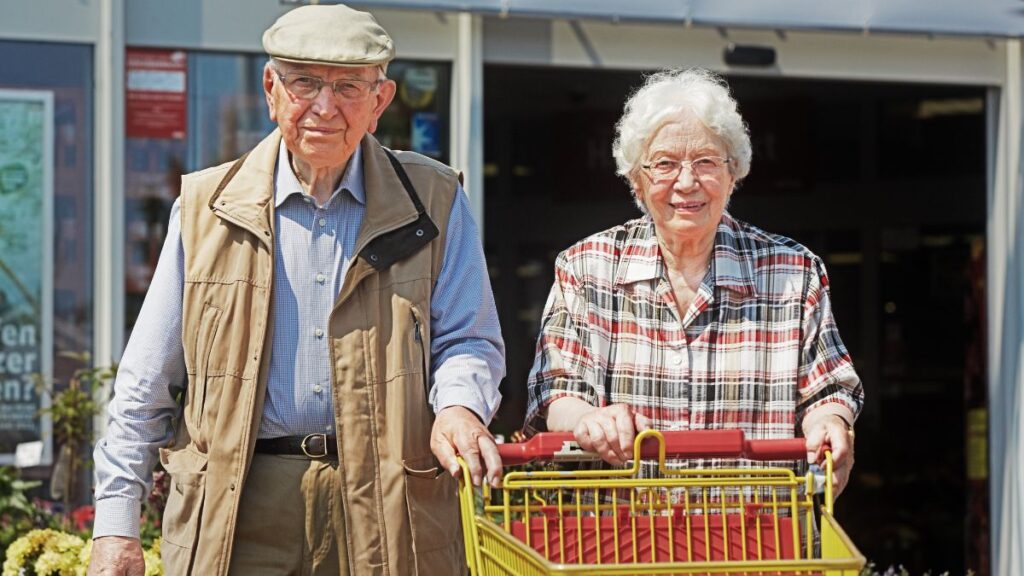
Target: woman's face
{"points": [[688, 207]]}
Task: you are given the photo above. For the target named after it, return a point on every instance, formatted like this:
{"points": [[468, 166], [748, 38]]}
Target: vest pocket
{"points": [[208, 327], [420, 337], [183, 513], [433, 505]]}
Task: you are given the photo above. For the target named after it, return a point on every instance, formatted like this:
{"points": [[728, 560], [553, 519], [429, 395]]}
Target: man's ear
{"points": [[385, 94], [268, 87]]}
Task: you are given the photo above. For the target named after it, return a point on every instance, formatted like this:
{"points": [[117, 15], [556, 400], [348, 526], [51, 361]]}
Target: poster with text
{"points": [[155, 93], [26, 268]]}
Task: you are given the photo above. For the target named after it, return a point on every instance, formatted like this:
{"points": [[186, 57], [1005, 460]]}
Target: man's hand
{"points": [[457, 430], [116, 556], [832, 431]]}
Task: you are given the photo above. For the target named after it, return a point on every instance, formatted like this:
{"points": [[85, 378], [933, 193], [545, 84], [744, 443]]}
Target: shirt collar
{"points": [[286, 183], [641, 255], [731, 260]]}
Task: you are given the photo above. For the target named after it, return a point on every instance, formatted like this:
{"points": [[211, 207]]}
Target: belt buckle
{"points": [[323, 444]]}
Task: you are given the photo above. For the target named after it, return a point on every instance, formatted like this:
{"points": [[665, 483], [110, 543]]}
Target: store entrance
{"points": [[886, 182]]}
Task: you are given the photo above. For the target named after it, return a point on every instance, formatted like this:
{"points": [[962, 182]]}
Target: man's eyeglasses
{"points": [[308, 87], [705, 168]]}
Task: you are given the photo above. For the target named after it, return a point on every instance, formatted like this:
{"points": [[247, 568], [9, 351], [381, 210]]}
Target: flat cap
{"points": [[335, 35]]}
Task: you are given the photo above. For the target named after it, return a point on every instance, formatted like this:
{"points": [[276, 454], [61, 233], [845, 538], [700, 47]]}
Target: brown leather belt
{"points": [[311, 446]]}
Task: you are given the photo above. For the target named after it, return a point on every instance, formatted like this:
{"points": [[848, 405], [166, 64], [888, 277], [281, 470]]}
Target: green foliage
{"points": [[17, 512], [74, 407], [14, 492], [72, 410], [153, 508]]}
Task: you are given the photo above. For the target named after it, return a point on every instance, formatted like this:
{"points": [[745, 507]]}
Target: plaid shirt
{"points": [[757, 349]]}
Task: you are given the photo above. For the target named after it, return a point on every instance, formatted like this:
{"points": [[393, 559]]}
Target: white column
{"points": [[1005, 323], [467, 127], [108, 159]]}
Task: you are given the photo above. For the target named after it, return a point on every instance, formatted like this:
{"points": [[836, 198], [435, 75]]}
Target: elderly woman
{"points": [[686, 318]]}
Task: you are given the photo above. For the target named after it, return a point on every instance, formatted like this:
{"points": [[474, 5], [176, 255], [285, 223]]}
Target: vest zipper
{"points": [[418, 336]]}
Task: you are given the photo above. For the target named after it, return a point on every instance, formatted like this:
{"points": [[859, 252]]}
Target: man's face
{"points": [[324, 130]]}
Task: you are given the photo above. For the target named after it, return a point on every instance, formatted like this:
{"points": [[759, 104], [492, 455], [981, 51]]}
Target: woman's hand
{"points": [[608, 431], [830, 430]]}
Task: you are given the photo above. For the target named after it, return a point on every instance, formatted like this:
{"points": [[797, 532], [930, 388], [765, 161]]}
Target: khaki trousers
{"points": [[290, 519]]}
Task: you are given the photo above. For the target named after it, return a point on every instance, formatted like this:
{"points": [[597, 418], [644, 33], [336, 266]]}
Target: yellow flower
{"points": [[83, 559], [46, 552], [156, 546], [154, 567], [16, 554]]}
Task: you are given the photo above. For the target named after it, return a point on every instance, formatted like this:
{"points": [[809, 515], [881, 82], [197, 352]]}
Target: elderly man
{"points": [[316, 303]]}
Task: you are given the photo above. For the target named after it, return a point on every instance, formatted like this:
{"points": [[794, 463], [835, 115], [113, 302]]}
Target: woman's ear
{"points": [[638, 191]]}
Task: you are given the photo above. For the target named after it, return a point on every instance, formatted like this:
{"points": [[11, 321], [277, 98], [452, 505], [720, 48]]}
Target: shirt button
{"points": [[320, 278], [318, 389], [322, 222], [677, 360], [319, 333], [307, 199]]}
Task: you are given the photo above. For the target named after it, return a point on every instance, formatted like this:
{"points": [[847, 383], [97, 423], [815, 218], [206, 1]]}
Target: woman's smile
{"points": [[688, 206]]}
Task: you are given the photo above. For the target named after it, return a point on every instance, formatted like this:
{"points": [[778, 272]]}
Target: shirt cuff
{"points": [[835, 407], [117, 517], [471, 404], [468, 382]]}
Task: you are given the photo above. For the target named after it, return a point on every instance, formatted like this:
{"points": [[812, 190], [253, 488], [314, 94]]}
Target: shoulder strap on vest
{"points": [[386, 249]]}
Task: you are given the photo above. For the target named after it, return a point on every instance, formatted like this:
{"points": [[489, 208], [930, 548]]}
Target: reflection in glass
{"points": [[66, 71]]}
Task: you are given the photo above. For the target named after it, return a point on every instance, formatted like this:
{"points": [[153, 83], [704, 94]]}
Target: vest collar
{"points": [[246, 193], [247, 190], [388, 206]]}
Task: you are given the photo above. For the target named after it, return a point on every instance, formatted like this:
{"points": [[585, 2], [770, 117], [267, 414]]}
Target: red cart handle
{"points": [[562, 446]]}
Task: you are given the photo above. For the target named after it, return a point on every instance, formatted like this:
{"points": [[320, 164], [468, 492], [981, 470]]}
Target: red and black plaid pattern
{"points": [[757, 349]]}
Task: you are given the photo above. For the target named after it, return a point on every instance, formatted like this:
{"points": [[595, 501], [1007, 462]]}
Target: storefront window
{"points": [[224, 114], [46, 257], [417, 120]]}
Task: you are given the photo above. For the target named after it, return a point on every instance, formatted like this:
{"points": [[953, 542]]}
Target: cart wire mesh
{"points": [[683, 521]]}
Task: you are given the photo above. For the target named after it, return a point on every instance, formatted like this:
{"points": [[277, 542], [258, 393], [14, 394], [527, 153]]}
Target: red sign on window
{"points": [[155, 99]]}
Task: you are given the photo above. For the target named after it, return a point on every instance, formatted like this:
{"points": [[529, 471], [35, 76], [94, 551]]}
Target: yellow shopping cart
{"points": [[679, 521]]}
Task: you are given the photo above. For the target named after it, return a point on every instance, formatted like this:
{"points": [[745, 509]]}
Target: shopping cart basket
{"points": [[681, 521]]}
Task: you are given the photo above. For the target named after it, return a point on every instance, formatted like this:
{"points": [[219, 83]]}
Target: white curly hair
{"points": [[665, 96]]}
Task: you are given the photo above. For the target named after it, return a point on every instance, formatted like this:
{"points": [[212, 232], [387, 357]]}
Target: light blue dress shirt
{"points": [[313, 249]]}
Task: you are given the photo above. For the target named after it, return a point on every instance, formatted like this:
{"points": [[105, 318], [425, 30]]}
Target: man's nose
{"points": [[325, 104]]}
